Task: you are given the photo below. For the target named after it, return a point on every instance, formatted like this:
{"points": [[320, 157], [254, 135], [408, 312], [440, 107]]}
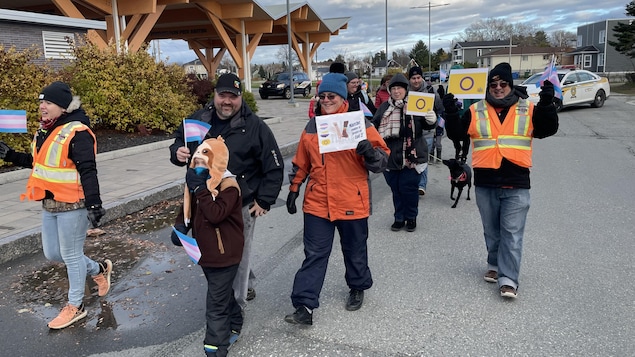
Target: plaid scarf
{"points": [[390, 124]]}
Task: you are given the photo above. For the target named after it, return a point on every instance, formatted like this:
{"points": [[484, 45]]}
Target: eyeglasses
{"points": [[330, 96], [493, 85]]}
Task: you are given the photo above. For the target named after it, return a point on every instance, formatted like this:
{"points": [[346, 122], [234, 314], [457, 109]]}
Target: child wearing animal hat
{"points": [[213, 196]]}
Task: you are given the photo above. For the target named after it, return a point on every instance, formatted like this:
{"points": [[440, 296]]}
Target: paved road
{"points": [[576, 295]]}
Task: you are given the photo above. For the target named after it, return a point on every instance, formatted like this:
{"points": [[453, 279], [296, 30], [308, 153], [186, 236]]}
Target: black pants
{"points": [[222, 311]]}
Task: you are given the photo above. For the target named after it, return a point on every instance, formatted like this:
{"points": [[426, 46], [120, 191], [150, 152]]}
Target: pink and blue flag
{"points": [[551, 74], [364, 108], [13, 121], [195, 130], [190, 245]]}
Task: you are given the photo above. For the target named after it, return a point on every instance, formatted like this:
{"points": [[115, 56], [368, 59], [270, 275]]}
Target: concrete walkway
{"points": [[130, 179]]}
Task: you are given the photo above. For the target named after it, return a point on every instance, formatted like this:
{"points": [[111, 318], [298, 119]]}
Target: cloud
{"points": [[366, 32]]}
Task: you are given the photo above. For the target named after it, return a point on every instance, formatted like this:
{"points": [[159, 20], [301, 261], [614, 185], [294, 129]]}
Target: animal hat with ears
{"points": [[215, 154]]}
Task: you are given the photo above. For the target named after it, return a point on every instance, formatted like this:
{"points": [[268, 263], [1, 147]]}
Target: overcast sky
{"points": [[366, 33]]}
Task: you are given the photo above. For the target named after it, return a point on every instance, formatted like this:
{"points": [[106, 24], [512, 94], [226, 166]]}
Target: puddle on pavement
{"points": [[140, 257]]}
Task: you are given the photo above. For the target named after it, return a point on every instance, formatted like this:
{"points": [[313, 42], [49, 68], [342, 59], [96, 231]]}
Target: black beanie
{"points": [[415, 70], [501, 72], [337, 67], [58, 93]]}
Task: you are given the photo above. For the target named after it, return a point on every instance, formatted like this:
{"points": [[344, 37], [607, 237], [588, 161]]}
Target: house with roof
{"points": [[48, 33], [472, 52], [527, 60], [595, 54]]}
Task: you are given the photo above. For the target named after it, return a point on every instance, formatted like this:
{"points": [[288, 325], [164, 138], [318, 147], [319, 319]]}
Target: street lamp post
{"points": [[430, 6]]}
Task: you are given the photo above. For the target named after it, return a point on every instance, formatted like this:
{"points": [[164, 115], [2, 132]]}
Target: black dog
{"points": [[460, 175]]}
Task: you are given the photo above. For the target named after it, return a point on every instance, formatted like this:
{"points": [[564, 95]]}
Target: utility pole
{"points": [[430, 6]]}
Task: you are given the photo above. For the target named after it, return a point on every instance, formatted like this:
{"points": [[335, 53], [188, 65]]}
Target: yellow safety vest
{"points": [[52, 169], [492, 140]]}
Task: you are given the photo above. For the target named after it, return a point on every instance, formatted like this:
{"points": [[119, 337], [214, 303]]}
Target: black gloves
{"points": [[365, 149], [546, 93], [291, 202], [4, 149], [181, 228], [194, 181], [95, 212], [449, 103]]}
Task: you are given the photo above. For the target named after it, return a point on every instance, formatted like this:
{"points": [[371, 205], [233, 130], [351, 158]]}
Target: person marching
{"points": [[64, 179], [337, 197], [502, 128]]}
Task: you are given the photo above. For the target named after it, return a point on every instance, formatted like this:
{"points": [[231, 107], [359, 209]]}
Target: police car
{"points": [[578, 87]]}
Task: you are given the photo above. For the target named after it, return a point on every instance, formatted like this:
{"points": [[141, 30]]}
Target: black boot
{"points": [[355, 300], [301, 316]]}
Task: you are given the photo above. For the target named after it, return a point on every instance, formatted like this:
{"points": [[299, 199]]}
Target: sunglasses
{"points": [[330, 96], [496, 84]]}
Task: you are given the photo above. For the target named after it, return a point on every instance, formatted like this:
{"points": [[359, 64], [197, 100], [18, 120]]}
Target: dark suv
{"points": [[279, 85]]}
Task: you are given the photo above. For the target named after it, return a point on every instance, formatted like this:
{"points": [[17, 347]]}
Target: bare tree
{"points": [[492, 29], [561, 38], [283, 56], [401, 56]]}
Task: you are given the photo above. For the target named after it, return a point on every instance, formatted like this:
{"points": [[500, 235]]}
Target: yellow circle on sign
{"points": [[326, 141]]}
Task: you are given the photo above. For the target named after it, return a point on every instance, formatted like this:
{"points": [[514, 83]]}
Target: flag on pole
{"points": [[190, 245], [195, 130], [364, 108], [13, 121], [551, 74]]}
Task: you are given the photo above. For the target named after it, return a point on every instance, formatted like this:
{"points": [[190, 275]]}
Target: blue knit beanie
{"points": [[334, 83]]}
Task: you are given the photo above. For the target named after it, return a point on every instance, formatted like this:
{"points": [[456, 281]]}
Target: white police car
{"points": [[578, 87]]}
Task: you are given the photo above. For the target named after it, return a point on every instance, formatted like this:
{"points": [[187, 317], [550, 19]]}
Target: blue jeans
{"points": [[403, 184], [503, 214], [63, 235], [423, 182], [318, 243]]}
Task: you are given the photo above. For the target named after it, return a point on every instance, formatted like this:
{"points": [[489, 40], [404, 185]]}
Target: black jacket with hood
{"points": [[254, 156]]}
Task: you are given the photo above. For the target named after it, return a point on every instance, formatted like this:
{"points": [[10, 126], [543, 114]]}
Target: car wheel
{"points": [[558, 104], [287, 93], [264, 96], [307, 92], [600, 97]]}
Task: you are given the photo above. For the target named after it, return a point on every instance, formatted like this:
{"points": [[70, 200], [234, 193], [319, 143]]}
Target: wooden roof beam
{"points": [[141, 32]]}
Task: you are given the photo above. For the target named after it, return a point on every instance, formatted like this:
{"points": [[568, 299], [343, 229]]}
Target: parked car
{"points": [[578, 87], [279, 85], [434, 76]]}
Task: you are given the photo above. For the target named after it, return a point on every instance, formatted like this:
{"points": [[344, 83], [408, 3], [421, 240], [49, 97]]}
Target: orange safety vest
{"points": [[492, 140], [52, 169]]}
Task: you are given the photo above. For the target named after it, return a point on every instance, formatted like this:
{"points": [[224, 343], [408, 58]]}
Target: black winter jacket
{"points": [[254, 156], [81, 152]]}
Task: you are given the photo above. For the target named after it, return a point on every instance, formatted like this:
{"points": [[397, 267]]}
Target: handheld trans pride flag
{"points": [[551, 74], [364, 108], [12, 121], [190, 245], [195, 130]]}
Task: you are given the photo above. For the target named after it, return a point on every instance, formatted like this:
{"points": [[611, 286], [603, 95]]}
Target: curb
{"points": [[29, 242]]}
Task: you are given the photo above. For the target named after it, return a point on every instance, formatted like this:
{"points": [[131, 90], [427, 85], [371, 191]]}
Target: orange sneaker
{"points": [[103, 278], [68, 316]]}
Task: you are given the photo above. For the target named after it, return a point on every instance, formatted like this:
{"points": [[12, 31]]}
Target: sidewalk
{"points": [[130, 179]]}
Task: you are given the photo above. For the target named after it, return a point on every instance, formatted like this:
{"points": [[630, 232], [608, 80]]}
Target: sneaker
{"points": [[397, 226], [233, 337], [68, 316], [251, 294], [422, 191], [491, 276], [355, 300], [411, 225], [103, 278], [210, 350], [508, 292], [301, 316]]}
